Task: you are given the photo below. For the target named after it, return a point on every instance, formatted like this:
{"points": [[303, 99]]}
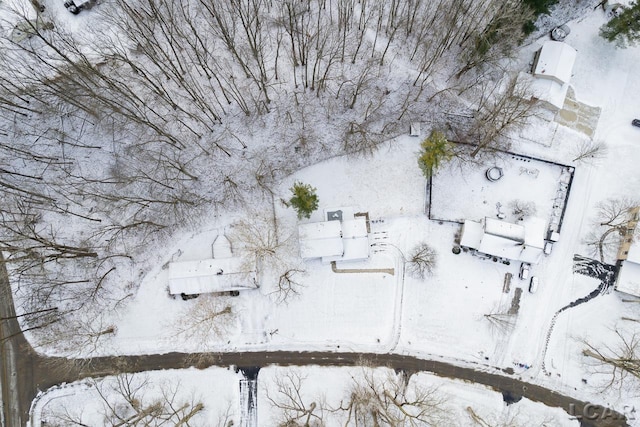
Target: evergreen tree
{"points": [[304, 199], [623, 29], [540, 6], [435, 150]]}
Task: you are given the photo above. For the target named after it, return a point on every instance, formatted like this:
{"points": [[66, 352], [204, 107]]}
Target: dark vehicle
{"points": [[635, 122], [71, 7], [75, 6]]}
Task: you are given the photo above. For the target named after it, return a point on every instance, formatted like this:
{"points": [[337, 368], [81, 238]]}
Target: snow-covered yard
{"points": [[462, 191]]}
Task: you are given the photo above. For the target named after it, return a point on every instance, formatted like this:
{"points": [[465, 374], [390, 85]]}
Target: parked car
{"points": [[524, 271], [533, 284], [71, 7], [635, 122], [560, 33], [547, 247], [187, 297], [75, 6]]}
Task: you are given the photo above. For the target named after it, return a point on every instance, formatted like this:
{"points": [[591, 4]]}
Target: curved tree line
{"points": [[161, 114]]}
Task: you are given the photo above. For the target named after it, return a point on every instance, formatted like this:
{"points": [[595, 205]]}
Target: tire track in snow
{"points": [[589, 267]]}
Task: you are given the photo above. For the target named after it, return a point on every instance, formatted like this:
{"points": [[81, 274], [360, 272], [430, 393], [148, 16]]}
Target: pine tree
{"points": [[623, 29], [435, 150], [540, 6], [304, 199]]}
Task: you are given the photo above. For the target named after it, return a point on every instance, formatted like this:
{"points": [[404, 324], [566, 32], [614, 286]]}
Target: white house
{"points": [[552, 69], [343, 237], [320, 239], [519, 242], [210, 275], [551, 73]]}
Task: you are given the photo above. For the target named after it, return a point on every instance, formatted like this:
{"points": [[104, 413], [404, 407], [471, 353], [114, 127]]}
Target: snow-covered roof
{"points": [[500, 246], [344, 240], [472, 232], [534, 231], [634, 253], [320, 239], [504, 229], [555, 61], [354, 228], [549, 91], [629, 278], [355, 241], [506, 240], [209, 275], [530, 254], [320, 230], [551, 73]]}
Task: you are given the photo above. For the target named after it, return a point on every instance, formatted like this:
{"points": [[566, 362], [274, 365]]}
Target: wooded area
{"points": [[169, 113]]}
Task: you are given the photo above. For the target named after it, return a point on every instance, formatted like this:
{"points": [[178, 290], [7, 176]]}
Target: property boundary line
{"points": [[569, 168]]}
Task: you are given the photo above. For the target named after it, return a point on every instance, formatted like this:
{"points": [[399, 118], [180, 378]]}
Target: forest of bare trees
{"points": [[161, 114]]}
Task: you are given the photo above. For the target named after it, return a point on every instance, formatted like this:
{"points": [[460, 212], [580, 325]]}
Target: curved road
{"points": [[25, 372]]}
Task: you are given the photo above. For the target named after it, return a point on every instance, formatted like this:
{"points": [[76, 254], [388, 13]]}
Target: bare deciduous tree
{"points": [[522, 209], [422, 261], [590, 152], [618, 364], [133, 400], [509, 419], [80, 334], [500, 111], [387, 398], [209, 317], [501, 319], [273, 250], [293, 408], [611, 224]]}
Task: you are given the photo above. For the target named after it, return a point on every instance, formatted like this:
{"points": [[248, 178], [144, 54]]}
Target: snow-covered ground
{"points": [[443, 315], [92, 402], [461, 191], [218, 390]]}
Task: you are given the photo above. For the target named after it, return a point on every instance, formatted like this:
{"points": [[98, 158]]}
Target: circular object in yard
{"points": [[494, 173], [456, 250], [560, 33]]}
